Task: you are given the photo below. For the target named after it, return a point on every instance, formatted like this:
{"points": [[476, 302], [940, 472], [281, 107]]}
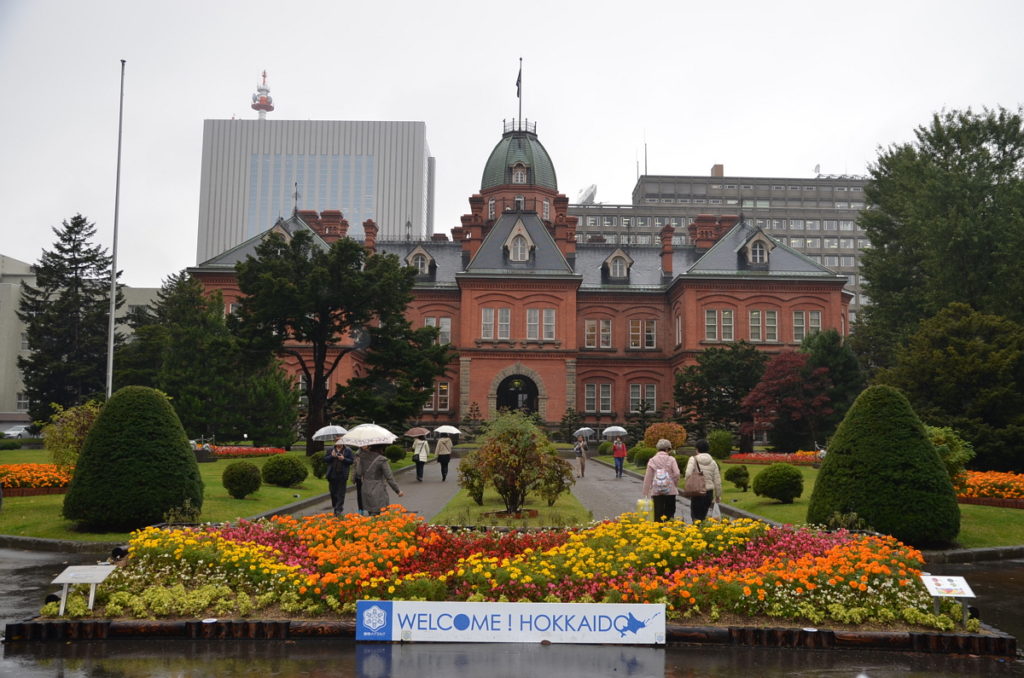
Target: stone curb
{"points": [[995, 644], [9, 541]]}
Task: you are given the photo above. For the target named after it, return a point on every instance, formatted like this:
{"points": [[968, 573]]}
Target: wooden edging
{"points": [[995, 643]]}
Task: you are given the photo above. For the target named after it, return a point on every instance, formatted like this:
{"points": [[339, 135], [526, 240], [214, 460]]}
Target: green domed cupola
{"points": [[519, 158]]}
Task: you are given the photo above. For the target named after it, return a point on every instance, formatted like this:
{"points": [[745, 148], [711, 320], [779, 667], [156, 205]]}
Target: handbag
{"points": [[694, 485]]}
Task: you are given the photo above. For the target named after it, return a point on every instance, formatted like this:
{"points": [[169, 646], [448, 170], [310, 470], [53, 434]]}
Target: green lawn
{"points": [[462, 510], [40, 516]]}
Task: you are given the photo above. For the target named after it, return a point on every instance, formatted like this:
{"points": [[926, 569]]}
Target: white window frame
{"points": [[604, 403], [548, 327], [756, 330], [419, 262], [504, 323], [532, 324], [643, 334], [799, 326], [487, 323], [710, 324], [590, 333], [642, 392], [604, 333], [518, 249], [758, 253], [590, 397], [618, 268]]}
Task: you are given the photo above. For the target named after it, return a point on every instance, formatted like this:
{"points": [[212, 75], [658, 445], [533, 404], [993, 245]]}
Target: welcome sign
{"points": [[450, 622]]}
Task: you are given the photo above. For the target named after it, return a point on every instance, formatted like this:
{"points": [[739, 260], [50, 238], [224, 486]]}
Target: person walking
{"points": [[339, 460], [580, 450], [443, 448], [661, 481], [705, 464], [420, 454], [374, 471], [619, 455]]}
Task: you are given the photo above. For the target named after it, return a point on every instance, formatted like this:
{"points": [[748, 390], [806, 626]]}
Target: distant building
{"points": [[543, 321], [14, 340], [254, 171], [816, 216]]}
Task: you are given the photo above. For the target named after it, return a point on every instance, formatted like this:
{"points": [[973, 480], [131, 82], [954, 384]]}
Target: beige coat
{"points": [[708, 466]]}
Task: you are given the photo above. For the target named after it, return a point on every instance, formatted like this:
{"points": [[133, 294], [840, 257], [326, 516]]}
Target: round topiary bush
{"points": [[738, 476], [284, 471], [136, 464], [394, 453], [317, 464], [605, 448], [782, 482], [241, 478], [881, 466], [642, 455], [720, 444]]}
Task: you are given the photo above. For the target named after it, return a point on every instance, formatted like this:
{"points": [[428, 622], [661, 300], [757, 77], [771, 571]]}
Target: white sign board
{"points": [[81, 574], [941, 585], [448, 622]]}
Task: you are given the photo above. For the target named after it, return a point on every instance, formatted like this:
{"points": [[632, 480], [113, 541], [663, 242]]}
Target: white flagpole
{"points": [[113, 258]]}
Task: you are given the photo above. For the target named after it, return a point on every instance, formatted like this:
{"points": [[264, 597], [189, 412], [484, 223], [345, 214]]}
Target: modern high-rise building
{"points": [[815, 216], [255, 171]]}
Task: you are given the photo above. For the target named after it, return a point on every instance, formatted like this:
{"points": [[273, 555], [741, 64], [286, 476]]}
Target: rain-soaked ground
{"points": [[25, 577]]}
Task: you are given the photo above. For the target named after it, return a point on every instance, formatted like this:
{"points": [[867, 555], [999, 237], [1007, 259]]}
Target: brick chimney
{"points": [[666, 234], [718, 170], [706, 229], [330, 221], [312, 219], [370, 229]]}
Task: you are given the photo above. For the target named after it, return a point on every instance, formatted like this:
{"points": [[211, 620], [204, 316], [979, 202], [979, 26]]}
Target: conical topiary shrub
{"points": [[135, 465], [881, 465]]}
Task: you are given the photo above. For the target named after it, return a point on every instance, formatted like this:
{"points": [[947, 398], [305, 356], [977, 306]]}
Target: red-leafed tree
{"points": [[790, 402]]}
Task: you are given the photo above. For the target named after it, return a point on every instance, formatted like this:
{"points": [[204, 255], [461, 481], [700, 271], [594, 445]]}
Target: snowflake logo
{"points": [[374, 618]]}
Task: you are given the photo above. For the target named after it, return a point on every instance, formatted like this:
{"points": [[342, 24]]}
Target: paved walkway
{"points": [[604, 495]]}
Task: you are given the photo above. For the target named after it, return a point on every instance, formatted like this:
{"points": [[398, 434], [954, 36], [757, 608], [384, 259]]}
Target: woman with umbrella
{"points": [[580, 448], [372, 467], [444, 447]]}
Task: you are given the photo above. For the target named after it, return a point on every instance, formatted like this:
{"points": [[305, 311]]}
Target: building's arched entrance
{"points": [[517, 393]]}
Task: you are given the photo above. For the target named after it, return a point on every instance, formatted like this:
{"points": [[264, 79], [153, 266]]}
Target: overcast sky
{"points": [[765, 88]]}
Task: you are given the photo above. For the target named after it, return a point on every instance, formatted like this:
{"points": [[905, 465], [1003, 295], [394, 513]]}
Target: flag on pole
{"points": [[519, 82]]}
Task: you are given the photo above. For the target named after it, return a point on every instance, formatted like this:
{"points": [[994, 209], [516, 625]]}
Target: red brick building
{"points": [[543, 322]]}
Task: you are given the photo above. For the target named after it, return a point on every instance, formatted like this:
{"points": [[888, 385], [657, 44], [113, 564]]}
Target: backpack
{"points": [[662, 482]]}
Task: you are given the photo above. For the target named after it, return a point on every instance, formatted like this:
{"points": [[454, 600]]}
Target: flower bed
{"points": [[233, 452], [322, 565], [992, 488], [799, 458], [34, 476]]}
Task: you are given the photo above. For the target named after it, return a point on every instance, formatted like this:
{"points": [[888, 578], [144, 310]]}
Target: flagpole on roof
{"points": [[519, 90]]}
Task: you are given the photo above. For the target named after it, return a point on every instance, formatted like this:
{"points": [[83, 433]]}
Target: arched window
{"points": [[519, 250], [420, 262], [758, 253], [518, 174], [618, 268]]}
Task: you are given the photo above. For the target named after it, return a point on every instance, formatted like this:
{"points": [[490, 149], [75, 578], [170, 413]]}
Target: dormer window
{"points": [[758, 253], [618, 268], [419, 262], [519, 250], [519, 174]]}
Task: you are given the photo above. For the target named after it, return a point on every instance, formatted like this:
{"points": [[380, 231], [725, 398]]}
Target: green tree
{"points": [[66, 320], [135, 466], [965, 369], [710, 393], [317, 304], [65, 434], [403, 363], [790, 402], [828, 350], [946, 224], [570, 423], [183, 347], [881, 466]]}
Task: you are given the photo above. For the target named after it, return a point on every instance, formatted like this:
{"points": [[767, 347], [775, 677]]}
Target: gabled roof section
{"points": [[545, 258], [728, 258], [286, 227]]}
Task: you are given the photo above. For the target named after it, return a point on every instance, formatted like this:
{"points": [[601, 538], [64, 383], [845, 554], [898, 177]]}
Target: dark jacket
{"points": [[338, 467]]}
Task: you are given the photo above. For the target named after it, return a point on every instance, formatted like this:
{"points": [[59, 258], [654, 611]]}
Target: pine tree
{"points": [[66, 318]]}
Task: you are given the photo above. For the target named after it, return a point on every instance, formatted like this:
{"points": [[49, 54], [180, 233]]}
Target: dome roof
{"points": [[519, 145]]}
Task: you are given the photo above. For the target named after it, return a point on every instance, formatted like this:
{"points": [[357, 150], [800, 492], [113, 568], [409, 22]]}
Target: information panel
{"points": [[451, 622]]}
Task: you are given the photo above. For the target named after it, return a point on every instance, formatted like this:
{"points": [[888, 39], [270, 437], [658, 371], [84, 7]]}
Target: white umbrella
{"points": [[330, 432], [368, 434], [448, 429], [614, 431], [586, 432]]}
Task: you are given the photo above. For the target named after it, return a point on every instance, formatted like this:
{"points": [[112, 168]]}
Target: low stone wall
{"points": [[32, 491], [992, 501], [994, 643]]}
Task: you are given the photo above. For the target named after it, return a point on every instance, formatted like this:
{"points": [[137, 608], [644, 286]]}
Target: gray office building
{"points": [[255, 171], [816, 216]]}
